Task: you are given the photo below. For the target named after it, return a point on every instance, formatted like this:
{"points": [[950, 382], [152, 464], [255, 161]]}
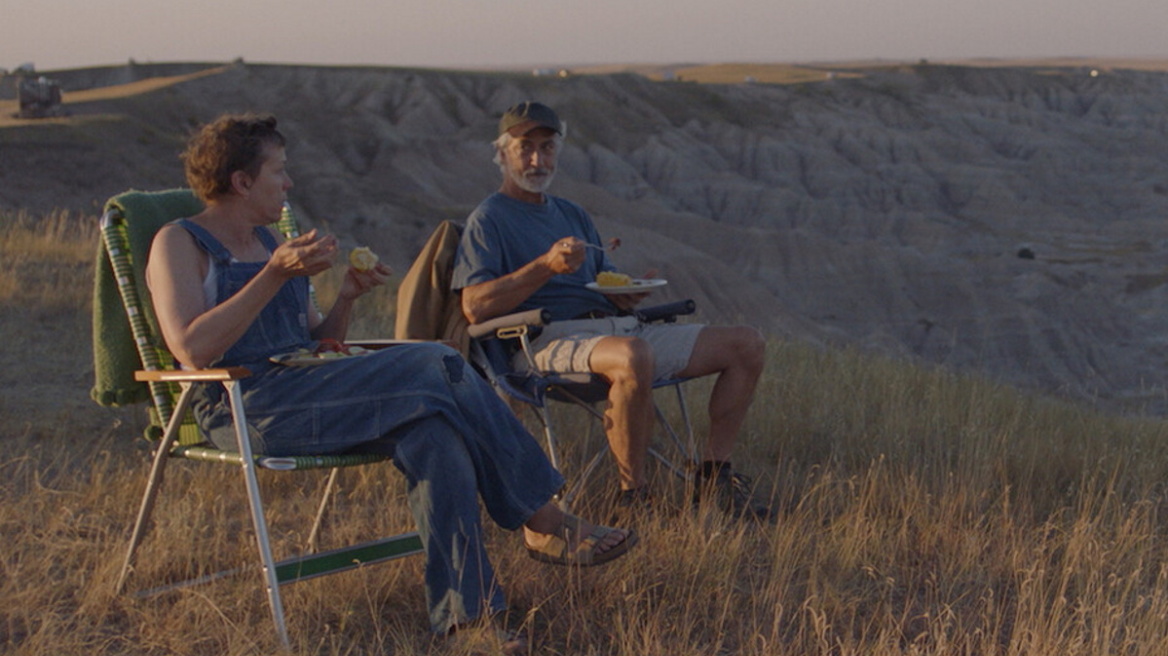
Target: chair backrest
{"points": [[126, 336], [427, 308]]}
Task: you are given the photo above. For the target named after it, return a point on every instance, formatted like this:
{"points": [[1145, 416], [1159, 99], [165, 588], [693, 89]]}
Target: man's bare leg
{"points": [[627, 364], [736, 354]]}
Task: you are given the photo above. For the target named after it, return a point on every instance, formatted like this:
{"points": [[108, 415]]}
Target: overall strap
{"points": [[207, 241], [216, 249], [267, 239]]}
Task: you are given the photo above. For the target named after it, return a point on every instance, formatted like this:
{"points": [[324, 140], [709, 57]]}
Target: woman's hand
{"points": [[358, 283], [306, 255], [355, 283]]}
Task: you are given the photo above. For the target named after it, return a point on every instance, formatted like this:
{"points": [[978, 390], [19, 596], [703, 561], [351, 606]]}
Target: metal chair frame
{"points": [[180, 440], [534, 388]]}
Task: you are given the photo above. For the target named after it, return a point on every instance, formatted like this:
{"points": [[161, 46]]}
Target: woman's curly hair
{"points": [[233, 142]]}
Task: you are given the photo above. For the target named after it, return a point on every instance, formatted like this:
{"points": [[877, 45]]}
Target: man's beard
{"points": [[535, 181]]}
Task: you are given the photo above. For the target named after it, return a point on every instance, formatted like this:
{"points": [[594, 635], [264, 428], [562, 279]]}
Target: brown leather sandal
{"points": [[587, 552]]}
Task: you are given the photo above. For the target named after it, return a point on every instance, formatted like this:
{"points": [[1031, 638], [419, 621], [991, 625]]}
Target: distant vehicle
{"points": [[39, 97]]}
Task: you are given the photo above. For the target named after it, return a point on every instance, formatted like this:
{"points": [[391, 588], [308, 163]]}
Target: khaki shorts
{"points": [[566, 346]]}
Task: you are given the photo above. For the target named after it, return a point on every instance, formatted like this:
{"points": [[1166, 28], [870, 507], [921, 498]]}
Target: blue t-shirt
{"points": [[504, 234]]}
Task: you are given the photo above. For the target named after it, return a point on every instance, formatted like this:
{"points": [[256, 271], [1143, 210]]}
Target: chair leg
{"points": [[541, 412], [568, 496], [691, 450], [154, 484], [688, 450], [687, 455], [263, 543], [144, 511], [314, 536]]}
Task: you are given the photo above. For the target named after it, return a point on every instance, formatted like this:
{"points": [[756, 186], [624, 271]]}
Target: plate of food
{"points": [[328, 351], [609, 282]]}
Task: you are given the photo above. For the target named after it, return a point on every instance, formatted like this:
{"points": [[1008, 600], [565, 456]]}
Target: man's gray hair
{"points": [[506, 138]]}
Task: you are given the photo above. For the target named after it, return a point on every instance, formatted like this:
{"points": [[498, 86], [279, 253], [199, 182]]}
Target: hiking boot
{"points": [[731, 492]]}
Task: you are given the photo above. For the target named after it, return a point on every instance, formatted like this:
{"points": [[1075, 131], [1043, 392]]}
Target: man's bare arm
{"points": [[497, 297]]}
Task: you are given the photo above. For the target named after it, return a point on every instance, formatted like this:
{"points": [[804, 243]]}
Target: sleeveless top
{"points": [[282, 325]]}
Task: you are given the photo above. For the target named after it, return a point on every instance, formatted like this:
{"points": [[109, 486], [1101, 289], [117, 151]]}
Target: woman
{"points": [[227, 293]]}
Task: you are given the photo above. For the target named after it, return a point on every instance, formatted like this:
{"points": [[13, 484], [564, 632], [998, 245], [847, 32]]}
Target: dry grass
{"points": [[921, 513], [760, 73]]}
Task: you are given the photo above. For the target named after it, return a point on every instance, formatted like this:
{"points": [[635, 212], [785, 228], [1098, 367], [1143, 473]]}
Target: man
{"points": [[523, 248]]}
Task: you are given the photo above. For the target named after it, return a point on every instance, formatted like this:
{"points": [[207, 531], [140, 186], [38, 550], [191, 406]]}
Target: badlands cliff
{"points": [[1002, 220]]}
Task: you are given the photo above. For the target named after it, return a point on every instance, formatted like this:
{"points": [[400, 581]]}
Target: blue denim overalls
{"points": [[447, 431]]}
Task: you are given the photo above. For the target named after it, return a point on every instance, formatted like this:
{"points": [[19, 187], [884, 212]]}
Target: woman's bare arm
{"points": [[198, 335]]}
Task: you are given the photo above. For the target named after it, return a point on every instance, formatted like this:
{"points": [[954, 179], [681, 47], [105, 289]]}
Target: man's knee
{"points": [[751, 346], [740, 349], [741, 345], [624, 359]]}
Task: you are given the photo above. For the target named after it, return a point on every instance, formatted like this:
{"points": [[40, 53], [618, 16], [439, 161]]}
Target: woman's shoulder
{"points": [[175, 246], [175, 232], [186, 228]]}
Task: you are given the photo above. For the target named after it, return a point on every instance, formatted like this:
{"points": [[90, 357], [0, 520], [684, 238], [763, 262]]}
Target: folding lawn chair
{"points": [[132, 365], [492, 347], [425, 309]]}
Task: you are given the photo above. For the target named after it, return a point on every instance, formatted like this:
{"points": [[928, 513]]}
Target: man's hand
{"points": [[565, 256]]}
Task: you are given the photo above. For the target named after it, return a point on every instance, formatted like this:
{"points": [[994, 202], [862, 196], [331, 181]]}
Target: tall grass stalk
{"points": [[920, 512]]}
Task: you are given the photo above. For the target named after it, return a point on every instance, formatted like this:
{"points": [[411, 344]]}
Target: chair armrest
{"points": [[193, 375], [376, 344], [530, 318], [667, 312]]}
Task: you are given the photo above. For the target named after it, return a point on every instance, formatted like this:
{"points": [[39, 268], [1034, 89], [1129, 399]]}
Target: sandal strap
{"points": [[570, 526], [586, 549], [560, 549]]}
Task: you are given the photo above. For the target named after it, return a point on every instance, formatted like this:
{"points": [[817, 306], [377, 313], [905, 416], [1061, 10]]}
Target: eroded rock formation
{"points": [[1010, 221]]}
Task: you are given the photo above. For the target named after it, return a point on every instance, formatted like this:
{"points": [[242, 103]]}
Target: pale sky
{"points": [[56, 34]]}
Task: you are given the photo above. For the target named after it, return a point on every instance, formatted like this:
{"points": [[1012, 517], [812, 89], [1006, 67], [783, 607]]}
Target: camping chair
{"points": [[492, 347], [427, 309], [132, 365]]}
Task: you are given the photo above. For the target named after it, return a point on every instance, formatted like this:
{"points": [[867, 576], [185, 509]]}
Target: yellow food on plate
{"points": [[613, 279], [362, 258]]}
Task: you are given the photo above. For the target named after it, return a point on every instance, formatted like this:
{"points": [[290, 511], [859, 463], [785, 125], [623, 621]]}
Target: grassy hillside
{"points": [[922, 512]]}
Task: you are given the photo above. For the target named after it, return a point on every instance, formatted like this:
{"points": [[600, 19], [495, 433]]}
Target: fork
{"points": [[613, 244]]}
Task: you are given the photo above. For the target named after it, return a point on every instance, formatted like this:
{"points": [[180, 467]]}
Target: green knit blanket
{"points": [[115, 356]]}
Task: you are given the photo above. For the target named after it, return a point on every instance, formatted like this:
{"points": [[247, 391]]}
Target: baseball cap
{"points": [[527, 116]]}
